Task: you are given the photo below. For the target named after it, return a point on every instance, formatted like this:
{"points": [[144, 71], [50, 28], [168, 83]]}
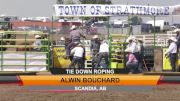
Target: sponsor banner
{"points": [[90, 80], [59, 60], [113, 10], [58, 57], [166, 62]]}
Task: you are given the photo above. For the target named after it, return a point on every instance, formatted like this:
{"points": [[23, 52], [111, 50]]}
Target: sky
{"points": [[150, 2], [27, 8], [36, 8]]}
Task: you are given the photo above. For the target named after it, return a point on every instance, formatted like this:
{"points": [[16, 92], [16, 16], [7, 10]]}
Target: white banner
{"points": [[112, 10]]}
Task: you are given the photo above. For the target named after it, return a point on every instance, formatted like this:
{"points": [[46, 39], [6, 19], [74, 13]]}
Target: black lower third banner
{"points": [[87, 71]]}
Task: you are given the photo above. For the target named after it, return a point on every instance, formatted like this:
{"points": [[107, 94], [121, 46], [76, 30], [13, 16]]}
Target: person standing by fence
{"points": [[132, 45], [171, 52], [133, 48], [37, 44], [132, 62], [103, 53]]}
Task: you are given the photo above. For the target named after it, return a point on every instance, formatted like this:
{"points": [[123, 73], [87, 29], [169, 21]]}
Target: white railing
{"points": [[160, 39]]}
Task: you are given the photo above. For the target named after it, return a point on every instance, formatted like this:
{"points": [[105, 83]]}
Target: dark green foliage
{"points": [[95, 1], [135, 20], [59, 1]]}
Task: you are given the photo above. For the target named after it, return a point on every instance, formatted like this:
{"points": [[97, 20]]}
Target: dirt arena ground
{"points": [[158, 93]]}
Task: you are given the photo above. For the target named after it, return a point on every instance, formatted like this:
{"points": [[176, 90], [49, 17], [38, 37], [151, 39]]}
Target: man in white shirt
{"points": [[133, 48], [77, 53], [172, 52], [37, 44], [103, 53], [132, 44]]}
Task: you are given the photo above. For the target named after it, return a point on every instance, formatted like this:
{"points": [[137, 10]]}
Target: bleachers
{"points": [[160, 39]]}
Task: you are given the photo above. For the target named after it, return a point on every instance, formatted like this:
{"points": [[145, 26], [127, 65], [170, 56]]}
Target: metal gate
{"points": [[17, 51]]}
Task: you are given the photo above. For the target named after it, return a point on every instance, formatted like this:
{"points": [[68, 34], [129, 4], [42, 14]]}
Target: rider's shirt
{"points": [[75, 35], [77, 51]]}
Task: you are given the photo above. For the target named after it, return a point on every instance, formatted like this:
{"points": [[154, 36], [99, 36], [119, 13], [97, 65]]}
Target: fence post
{"points": [[49, 52], [154, 31], [2, 52], [25, 51]]}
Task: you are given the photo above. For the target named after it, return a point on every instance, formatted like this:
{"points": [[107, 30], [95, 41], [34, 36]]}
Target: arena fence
{"points": [[17, 51]]}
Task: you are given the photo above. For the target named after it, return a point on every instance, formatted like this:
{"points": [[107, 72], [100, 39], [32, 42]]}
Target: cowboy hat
{"points": [[104, 41], [131, 38], [73, 27], [173, 39], [37, 36], [95, 36], [62, 38], [176, 30]]}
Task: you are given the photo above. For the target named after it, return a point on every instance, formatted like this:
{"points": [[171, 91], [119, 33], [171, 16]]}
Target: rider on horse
{"points": [[75, 36]]}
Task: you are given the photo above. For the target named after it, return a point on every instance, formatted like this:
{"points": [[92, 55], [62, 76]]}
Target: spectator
{"points": [[103, 53], [171, 52], [37, 44], [132, 62], [62, 41], [132, 45]]}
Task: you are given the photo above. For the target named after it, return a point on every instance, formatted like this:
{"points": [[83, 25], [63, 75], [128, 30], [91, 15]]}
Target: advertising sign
{"points": [[112, 10]]}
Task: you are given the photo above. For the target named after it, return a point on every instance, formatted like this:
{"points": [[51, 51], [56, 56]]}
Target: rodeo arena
{"points": [[76, 51]]}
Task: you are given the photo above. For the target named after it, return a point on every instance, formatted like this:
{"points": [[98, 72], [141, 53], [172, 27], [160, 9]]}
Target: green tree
{"points": [[60, 2], [64, 2], [135, 20], [69, 2], [95, 1]]}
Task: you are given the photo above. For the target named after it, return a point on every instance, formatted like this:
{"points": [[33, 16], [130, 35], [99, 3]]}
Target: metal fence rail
{"points": [[17, 54], [160, 39]]}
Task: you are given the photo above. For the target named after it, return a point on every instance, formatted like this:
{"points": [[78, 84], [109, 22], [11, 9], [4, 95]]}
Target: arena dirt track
{"points": [[159, 93]]}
